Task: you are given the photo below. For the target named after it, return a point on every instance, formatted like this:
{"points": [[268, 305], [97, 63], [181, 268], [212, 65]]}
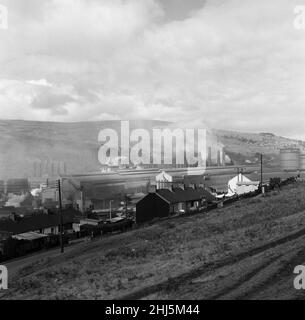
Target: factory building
{"points": [[18, 186], [49, 194], [302, 162], [2, 187], [165, 180]]}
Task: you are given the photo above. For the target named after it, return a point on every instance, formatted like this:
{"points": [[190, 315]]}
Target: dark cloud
{"points": [[180, 9], [53, 102]]}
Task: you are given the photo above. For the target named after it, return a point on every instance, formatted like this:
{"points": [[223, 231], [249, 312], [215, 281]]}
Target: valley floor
{"points": [[244, 251]]}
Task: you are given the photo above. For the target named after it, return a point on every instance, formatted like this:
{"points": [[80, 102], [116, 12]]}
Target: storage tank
{"points": [[290, 159], [2, 187], [302, 162]]}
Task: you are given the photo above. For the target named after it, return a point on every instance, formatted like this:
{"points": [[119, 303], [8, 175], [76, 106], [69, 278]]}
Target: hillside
{"points": [[29, 148], [247, 250], [250, 143], [242, 146]]}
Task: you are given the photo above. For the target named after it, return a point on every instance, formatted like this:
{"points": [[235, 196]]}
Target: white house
{"points": [[240, 184], [165, 180], [246, 187]]}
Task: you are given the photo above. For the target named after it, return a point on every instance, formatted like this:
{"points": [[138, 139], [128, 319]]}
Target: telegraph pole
{"points": [[110, 209], [126, 199], [262, 173], [61, 217]]}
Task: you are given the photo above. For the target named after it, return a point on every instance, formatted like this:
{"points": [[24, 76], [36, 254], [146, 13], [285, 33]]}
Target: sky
{"points": [[229, 64]]}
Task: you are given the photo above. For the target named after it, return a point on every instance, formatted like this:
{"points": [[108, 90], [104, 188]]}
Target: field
{"points": [[247, 250]]}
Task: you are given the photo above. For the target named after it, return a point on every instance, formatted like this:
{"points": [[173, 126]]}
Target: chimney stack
{"points": [[13, 216]]}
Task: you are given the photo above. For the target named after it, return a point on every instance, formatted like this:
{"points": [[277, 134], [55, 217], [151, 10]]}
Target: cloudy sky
{"points": [[233, 64]]}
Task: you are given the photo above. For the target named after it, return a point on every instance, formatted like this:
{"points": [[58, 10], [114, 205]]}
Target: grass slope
{"points": [[247, 250]]}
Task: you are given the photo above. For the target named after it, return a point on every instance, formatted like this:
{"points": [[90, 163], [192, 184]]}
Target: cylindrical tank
{"points": [[218, 158], [302, 162], [290, 159]]}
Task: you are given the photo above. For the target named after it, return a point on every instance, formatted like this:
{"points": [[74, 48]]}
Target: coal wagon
{"points": [[116, 224]]}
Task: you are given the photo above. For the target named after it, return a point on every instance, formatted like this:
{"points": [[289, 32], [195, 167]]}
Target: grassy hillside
{"points": [[28, 147], [247, 250], [242, 146]]}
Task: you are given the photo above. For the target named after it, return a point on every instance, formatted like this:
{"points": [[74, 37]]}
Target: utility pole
{"points": [[61, 217], [110, 209], [261, 173], [82, 209], [126, 199]]}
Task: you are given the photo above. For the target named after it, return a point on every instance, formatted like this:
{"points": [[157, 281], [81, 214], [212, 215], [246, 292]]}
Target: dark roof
{"points": [[194, 179], [184, 195], [177, 178], [206, 195], [18, 210], [166, 194], [88, 226], [36, 222], [7, 208]]}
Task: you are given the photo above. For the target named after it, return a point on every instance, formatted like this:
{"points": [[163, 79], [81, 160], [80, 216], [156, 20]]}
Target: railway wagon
{"points": [[120, 224]]}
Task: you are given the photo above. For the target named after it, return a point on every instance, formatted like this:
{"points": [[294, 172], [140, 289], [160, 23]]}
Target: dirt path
{"points": [[212, 266], [243, 279], [284, 272]]}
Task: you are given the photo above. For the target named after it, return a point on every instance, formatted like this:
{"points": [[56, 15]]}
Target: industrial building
{"points": [[17, 186], [292, 159], [166, 180], [96, 190], [302, 162]]}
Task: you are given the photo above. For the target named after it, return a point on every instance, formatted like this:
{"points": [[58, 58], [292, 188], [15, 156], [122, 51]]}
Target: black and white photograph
{"points": [[152, 152]]}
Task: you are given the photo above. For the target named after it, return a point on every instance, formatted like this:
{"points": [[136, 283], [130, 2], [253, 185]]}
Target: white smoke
{"points": [[37, 191], [15, 200]]}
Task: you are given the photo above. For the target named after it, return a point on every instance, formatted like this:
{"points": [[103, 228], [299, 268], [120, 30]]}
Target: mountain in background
{"points": [[31, 148], [245, 147]]}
